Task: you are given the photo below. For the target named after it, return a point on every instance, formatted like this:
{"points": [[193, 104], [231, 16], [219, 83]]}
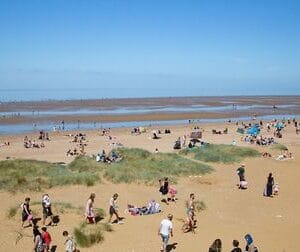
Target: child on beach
{"points": [[46, 239], [190, 211], [276, 189], [69, 243], [113, 209], [89, 212]]}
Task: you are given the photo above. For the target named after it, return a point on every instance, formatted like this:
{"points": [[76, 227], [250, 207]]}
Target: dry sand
{"points": [[230, 213]]}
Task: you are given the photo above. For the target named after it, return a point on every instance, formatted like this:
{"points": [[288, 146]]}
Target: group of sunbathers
{"points": [[29, 143]]}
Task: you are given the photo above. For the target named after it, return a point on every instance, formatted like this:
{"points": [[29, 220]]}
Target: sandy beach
{"points": [[230, 213]]}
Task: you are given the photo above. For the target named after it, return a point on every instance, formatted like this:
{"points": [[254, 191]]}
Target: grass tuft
{"points": [[33, 175], [220, 153], [88, 235], [140, 165], [280, 147], [12, 211]]}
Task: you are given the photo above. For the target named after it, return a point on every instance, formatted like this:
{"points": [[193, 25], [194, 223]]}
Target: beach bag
{"points": [[30, 217], [55, 219]]}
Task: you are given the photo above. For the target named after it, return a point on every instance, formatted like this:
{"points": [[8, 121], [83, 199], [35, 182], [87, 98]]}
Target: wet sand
{"points": [[106, 104]]}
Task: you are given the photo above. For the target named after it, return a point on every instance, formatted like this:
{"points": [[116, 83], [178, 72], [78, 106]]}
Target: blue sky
{"points": [[214, 47]]}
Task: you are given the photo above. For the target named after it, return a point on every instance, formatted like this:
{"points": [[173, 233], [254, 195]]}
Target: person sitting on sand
{"points": [[152, 208], [26, 212], [47, 211], [276, 189], [266, 154], [75, 152], [89, 212], [81, 149], [216, 246], [113, 209], [114, 156], [69, 153], [286, 155]]}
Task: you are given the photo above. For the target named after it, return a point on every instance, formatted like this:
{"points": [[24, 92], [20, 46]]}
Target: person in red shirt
{"points": [[46, 239]]}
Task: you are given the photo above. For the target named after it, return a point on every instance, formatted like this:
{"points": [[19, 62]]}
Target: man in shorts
{"points": [[165, 230]]}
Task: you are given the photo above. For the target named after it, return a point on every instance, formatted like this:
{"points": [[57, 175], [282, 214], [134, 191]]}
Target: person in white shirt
{"points": [[47, 211], [165, 230], [69, 243]]}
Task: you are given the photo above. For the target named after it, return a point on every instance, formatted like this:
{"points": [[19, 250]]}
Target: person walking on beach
{"points": [[250, 244], [164, 189], [69, 243], [165, 231], [38, 241], [46, 237], [269, 186], [113, 209], [241, 172], [190, 211], [47, 212], [236, 247], [216, 246], [89, 212], [26, 212]]}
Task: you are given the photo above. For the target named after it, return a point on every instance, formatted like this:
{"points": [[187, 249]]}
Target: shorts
{"points": [[165, 239], [24, 216], [112, 210], [47, 212]]}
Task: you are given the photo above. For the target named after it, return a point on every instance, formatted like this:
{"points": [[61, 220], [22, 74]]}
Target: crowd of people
{"points": [[5, 143], [112, 157], [32, 143], [216, 246], [259, 140], [42, 240], [81, 141]]}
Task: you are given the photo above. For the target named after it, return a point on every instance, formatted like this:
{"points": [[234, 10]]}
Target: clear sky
{"points": [[212, 46]]}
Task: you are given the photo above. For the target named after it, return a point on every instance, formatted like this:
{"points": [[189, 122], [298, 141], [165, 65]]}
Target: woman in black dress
{"points": [[164, 189], [26, 212], [270, 183]]}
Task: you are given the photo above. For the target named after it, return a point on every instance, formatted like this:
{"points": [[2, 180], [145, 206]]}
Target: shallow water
{"points": [[23, 128], [143, 110]]}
